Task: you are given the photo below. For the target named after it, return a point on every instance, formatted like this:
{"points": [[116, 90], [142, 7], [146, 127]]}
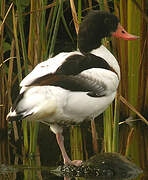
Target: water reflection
{"points": [[31, 170], [14, 167], [40, 174]]}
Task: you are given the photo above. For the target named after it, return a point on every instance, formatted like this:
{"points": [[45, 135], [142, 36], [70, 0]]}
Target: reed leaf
{"points": [[10, 73], [34, 126], [79, 11], [115, 143], [143, 82], [66, 28], [51, 28], [74, 14], [123, 100], [132, 149], [22, 35], [43, 33], [76, 143], [4, 47], [17, 46], [25, 133], [20, 22], [108, 131], [94, 136], [4, 19], [134, 20], [31, 33], [56, 27]]}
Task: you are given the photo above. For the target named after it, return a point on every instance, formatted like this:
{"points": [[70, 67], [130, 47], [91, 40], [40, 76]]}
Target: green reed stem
{"points": [[76, 143], [43, 34], [115, 142], [17, 46], [51, 28], [56, 28], [25, 132], [108, 123], [24, 51], [79, 11], [134, 24], [22, 35], [133, 54], [66, 28], [34, 126]]}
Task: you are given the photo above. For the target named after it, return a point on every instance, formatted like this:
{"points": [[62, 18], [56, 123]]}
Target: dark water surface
{"points": [[43, 173], [13, 165]]}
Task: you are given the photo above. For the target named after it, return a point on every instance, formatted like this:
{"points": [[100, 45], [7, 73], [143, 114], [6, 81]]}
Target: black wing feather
{"points": [[68, 75], [75, 64]]}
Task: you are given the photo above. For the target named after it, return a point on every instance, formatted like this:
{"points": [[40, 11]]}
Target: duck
{"points": [[72, 87]]}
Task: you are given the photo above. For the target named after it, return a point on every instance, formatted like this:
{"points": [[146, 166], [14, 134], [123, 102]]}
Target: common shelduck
{"points": [[73, 86]]}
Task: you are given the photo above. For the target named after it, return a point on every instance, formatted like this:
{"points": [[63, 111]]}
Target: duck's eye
{"points": [[123, 31]]}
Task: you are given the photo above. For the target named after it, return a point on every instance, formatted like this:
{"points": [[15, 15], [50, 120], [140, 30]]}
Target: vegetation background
{"points": [[33, 30]]}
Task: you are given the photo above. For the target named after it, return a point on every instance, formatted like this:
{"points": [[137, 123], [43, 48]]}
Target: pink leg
{"points": [[60, 140]]}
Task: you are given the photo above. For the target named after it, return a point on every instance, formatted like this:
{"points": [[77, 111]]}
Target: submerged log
{"points": [[106, 165]]}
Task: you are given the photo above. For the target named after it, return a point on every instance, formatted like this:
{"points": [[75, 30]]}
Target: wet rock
{"points": [[105, 165]]}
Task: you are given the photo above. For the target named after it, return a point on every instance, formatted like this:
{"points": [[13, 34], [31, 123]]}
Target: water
{"points": [[34, 173], [14, 167]]}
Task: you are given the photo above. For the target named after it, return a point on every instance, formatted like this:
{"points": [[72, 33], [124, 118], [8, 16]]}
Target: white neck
{"points": [[104, 53]]}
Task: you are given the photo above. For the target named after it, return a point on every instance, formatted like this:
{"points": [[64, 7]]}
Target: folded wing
{"points": [[68, 74]]}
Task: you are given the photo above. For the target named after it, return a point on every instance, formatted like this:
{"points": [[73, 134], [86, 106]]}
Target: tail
{"points": [[32, 102], [13, 116], [16, 111]]}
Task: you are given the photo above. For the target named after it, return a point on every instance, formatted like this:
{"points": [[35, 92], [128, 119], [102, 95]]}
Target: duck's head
{"points": [[97, 25]]}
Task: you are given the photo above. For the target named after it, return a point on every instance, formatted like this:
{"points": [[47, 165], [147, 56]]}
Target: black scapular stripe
{"points": [[73, 83], [75, 64]]}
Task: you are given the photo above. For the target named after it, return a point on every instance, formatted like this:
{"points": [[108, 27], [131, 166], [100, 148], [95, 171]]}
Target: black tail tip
{"points": [[11, 118]]}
